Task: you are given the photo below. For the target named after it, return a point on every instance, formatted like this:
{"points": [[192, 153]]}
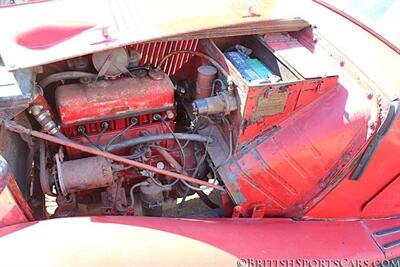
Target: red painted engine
{"points": [[94, 113], [128, 100]]}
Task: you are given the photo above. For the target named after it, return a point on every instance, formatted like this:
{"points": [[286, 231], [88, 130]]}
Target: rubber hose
{"points": [[66, 75], [158, 137]]}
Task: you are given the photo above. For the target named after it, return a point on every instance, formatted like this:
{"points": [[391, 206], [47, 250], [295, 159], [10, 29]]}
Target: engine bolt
{"points": [[157, 117], [81, 129], [134, 120], [170, 114], [104, 125], [160, 165]]}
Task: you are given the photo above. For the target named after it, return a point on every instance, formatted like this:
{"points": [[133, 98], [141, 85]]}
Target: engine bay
{"points": [[134, 109], [149, 128]]}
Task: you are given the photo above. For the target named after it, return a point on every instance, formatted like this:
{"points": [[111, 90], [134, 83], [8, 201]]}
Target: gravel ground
{"points": [[172, 208]]}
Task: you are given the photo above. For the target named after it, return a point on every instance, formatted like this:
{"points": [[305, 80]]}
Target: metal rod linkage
{"points": [[14, 127]]}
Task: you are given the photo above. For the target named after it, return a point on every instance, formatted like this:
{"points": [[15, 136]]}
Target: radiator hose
{"points": [[158, 137], [66, 75]]}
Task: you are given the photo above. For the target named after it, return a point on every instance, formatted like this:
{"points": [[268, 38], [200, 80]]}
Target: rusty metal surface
{"points": [[19, 198], [277, 173], [264, 106], [15, 150], [347, 199], [66, 206], [102, 99], [12, 126], [83, 174], [152, 199], [205, 77], [170, 159], [4, 173], [14, 95], [10, 211], [13, 206], [114, 200], [93, 131], [103, 139], [271, 104]]}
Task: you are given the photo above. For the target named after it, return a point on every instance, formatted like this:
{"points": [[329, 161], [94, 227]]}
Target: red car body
{"points": [[306, 200]]}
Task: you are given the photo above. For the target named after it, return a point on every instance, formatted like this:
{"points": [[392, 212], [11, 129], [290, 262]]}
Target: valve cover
{"points": [[121, 97]]}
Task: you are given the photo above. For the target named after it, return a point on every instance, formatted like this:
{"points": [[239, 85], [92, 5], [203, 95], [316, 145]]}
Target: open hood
{"points": [[49, 31]]}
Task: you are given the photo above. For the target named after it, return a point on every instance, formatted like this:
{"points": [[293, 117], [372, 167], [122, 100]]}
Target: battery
{"points": [[251, 69]]}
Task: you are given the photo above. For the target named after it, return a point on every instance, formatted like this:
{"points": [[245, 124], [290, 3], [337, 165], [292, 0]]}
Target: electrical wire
{"points": [[204, 156], [164, 186], [196, 53], [194, 188], [87, 137], [194, 174], [103, 130], [214, 172], [177, 141], [208, 119], [112, 140], [137, 154], [182, 151], [164, 148], [225, 120]]}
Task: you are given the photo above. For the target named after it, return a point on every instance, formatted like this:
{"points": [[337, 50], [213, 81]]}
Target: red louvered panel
{"points": [[154, 52]]}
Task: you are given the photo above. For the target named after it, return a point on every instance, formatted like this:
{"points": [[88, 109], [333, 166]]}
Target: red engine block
{"points": [[119, 103]]}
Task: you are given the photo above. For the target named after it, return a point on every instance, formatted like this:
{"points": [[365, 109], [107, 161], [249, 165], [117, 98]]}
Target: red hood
{"points": [[55, 30]]}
